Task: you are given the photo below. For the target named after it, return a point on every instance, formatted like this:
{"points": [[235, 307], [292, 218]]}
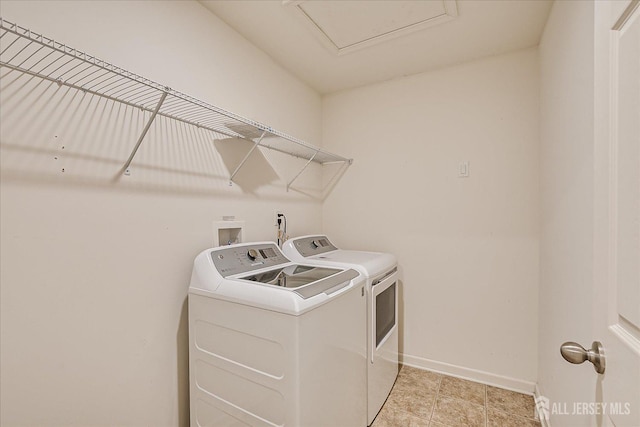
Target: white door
{"points": [[617, 211]]}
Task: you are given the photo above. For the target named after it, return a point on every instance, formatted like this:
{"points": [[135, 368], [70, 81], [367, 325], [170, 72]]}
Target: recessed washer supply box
{"points": [[227, 232]]}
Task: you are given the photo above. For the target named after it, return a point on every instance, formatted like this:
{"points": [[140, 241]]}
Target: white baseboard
{"points": [[514, 384]]}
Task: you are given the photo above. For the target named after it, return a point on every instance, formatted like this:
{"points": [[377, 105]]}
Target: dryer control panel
{"points": [[314, 245], [230, 260]]}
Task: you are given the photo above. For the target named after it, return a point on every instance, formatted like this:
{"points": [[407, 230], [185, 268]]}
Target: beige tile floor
{"points": [[426, 399]]}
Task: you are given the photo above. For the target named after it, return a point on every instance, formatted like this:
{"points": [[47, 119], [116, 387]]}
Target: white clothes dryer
{"points": [[274, 342], [381, 272]]}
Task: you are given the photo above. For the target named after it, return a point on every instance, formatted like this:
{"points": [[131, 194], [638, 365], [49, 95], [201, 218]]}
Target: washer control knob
{"points": [[252, 254], [315, 244]]}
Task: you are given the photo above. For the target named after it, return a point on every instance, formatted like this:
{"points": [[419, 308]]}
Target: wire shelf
{"points": [[30, 53]]}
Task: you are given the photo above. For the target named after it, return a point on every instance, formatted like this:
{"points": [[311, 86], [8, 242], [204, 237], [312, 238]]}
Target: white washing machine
{"points": [[274, 342], [381, 271]]}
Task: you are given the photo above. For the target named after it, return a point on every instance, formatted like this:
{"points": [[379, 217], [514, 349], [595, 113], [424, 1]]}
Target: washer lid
{"points": [[308, 282], [292, 276]]}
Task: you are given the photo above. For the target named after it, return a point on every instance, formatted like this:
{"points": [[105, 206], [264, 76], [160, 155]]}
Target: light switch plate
{"points": [[463, 170]]}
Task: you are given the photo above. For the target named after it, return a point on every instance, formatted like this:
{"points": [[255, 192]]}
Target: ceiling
{"points": [[334, 45]]}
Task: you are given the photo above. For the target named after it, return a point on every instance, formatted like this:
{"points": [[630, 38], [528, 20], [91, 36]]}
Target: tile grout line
{"points": [[462, 399], [435, 399], [433, 406], [486, 407]]}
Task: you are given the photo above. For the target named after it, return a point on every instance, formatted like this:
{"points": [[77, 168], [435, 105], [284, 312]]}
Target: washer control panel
{"points": [[230, 260], [314, 245]]}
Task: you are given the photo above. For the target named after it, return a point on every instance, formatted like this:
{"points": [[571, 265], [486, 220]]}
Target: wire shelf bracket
{"points": [[255, 145], [30, 53], [143, 134], [301, 170]]}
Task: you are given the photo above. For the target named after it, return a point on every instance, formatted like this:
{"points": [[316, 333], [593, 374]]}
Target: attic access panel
{"points": [[347, 25]]}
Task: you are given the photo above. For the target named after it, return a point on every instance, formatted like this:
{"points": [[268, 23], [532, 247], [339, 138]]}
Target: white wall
{"points": [[467, 247], [566, 187], [95, 271]]}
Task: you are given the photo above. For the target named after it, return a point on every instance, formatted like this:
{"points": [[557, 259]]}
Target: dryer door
{"points": [[384, 313], [383, 342]]}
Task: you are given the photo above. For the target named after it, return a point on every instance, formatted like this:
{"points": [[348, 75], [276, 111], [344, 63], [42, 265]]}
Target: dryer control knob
{"points": [[315, 244], [252, 254]]}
